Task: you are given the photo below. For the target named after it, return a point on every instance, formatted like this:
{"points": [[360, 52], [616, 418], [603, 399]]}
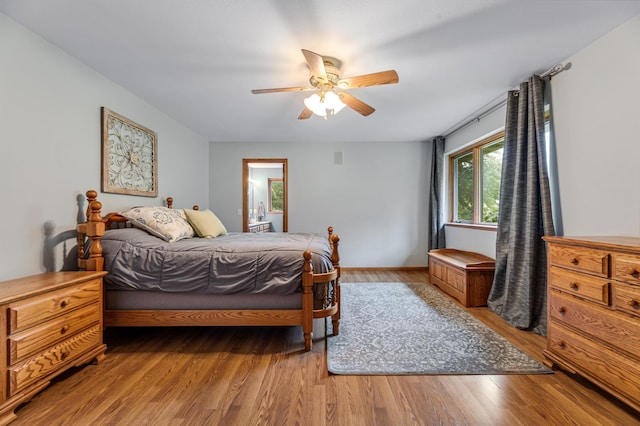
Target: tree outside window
{"points": [[463, 190], [475, 182], [491, 166], [276, 198]]}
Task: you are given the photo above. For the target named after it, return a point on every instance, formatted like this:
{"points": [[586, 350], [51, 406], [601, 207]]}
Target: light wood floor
{"points": [[261, 376]]}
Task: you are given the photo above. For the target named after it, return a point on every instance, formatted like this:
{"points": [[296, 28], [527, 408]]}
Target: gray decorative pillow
{"points": [[169, 224]]}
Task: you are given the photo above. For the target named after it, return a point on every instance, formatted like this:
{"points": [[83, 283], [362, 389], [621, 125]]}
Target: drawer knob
{"points": [[575, 261], [574, 286], [562, 344], [64, 355], [64, 329], [64, 303], [562, 310], [633, 272], [634, 304]]}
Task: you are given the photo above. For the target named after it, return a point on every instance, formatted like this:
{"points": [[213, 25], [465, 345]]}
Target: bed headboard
{"points": [[90, 233]]}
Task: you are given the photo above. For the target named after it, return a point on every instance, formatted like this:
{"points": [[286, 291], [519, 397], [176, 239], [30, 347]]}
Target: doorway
{"points": [[265, 193]]}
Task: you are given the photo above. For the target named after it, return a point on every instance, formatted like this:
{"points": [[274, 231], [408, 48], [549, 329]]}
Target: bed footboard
{"points": [[330, 282]]}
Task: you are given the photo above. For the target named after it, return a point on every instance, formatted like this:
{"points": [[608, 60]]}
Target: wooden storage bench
{"points": [[464, 275]]}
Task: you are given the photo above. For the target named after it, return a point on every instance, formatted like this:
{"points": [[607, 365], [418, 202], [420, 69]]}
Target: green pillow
{"points": [[205, 223]]}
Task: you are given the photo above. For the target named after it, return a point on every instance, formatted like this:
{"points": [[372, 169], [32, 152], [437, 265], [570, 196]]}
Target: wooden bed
{"points": [[89, 239]]}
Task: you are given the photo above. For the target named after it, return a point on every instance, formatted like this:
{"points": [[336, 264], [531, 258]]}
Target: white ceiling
{"points": [[197, 60]]}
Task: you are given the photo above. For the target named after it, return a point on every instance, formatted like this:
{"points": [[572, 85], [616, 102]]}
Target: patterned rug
{"points": [[396, 328]]}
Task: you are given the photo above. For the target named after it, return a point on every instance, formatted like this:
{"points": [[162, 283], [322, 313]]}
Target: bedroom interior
{"points": [[190, 82]]}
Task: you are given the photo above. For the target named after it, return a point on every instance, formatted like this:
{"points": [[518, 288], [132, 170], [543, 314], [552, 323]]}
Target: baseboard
{"points": [[386, 269]]}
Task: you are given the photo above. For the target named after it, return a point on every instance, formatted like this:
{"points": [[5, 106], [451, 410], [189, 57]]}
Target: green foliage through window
{"points": [[276, 195], [464, 188], [491, 166], [475, 181]]}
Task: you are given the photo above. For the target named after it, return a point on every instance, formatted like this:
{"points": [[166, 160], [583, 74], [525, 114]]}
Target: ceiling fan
{"points": [[326, 78]]}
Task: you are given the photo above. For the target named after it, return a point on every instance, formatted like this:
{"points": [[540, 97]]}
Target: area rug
{"points": [[397, 328]]}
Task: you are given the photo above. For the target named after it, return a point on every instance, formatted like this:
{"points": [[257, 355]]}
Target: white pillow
{"points": [[169, 224]]}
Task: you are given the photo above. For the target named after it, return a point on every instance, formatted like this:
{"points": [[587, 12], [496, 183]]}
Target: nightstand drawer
{"points": [[581, 285], [626, 298], [36, 310], [39, 338], [592, 261], [49, 361], [616, 329]]}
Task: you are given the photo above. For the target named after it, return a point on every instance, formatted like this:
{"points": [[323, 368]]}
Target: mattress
{"points": [[237, 263]]}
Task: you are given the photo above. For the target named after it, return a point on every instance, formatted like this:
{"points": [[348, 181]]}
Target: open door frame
{"points": [[245, 190]]}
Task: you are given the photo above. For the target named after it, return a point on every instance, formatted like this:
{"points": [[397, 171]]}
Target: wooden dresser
{"points": [[49, 323], [464, 275], [594, 311]]}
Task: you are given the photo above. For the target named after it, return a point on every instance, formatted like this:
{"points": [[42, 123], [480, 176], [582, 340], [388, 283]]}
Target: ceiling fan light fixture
{"points": [[324, 104], [326, 77]]}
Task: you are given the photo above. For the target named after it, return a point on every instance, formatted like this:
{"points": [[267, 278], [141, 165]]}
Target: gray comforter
{"points": [[235, 263]]}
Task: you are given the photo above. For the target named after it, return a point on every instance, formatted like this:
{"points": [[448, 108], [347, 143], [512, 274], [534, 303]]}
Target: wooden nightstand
{"points": [[48, 324]]}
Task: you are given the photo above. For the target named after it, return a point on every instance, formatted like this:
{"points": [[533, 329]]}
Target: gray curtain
{"points": [[436, 196], [519, 290]]}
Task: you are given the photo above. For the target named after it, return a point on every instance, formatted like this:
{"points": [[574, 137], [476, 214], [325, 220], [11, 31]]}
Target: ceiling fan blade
{"points": [[374, 79], [356, 104], [316, 63], [306, 113], [282, 89]]}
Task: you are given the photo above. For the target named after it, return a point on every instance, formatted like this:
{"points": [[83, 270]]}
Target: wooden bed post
{"points": [[335, 259], [93, 229], [307, 300], [91, 197]]}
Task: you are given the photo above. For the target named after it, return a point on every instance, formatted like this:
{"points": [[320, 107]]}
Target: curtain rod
{"points": [[495, 104]]}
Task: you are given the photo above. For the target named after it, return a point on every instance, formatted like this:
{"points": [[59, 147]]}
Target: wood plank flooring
{"points": [[261, 376]]}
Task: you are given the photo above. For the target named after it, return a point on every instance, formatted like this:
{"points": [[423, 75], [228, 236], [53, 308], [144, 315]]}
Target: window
{"points": [[276, 199], [475, 182]]}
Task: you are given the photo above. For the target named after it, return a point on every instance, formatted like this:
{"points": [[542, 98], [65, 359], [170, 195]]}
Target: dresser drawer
{"points": [[587, 260], [37, 367], [616, 329], [616, 372], [41, 337], [35, 310], [589, 287], [626, 298], [625, 268]]}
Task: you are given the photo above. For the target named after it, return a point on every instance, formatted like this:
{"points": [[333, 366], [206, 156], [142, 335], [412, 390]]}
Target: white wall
{"points": [[50, 145], [376, 201], [595, 110], [596, 113]]}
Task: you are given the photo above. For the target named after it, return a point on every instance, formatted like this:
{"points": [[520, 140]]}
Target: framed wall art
{"points": [[129, 156]]}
